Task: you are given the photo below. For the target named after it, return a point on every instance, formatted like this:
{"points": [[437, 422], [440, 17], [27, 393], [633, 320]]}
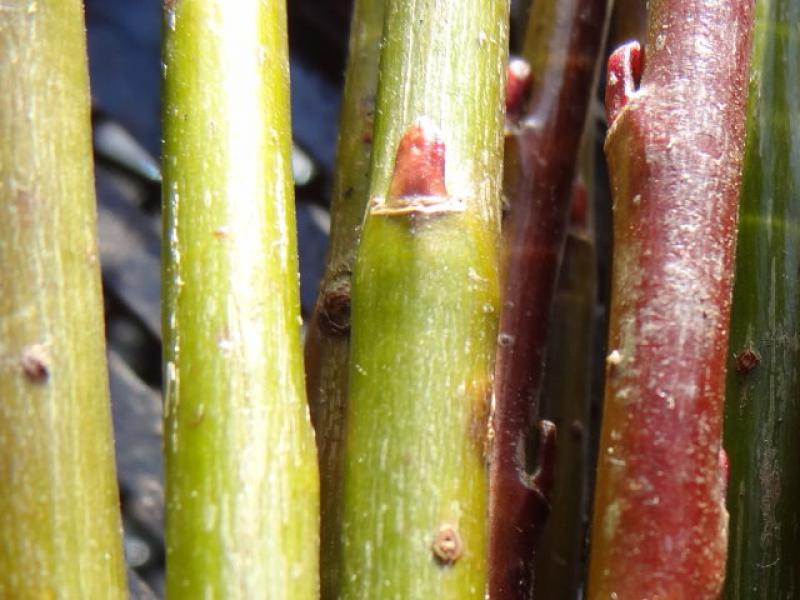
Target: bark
{"points": [[763, 386], [425, 305], [674, 150], [59, 505], [328, 343], [241, 474], [562, 47]]}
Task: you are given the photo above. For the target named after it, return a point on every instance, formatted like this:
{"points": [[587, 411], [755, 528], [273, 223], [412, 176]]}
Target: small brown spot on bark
{"points": [[221, 233], [36, 363], [334, 313], [447, 546], [26, 200], [26, 204], [747, 360], [505, 340], [198, 418]]}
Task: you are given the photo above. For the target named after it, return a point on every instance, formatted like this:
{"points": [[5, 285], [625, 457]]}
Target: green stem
{"points": [[59, 505], [242, 482], [328, 342], [763, 411], [425, 304]]}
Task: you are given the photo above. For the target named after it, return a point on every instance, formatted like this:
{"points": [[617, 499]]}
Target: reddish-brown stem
{"points": [[674, 151], [563, 43], [546, 144]]}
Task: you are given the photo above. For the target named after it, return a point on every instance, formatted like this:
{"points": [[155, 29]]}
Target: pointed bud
{"points": [[624, 75], [518, 84], [419, 166]]}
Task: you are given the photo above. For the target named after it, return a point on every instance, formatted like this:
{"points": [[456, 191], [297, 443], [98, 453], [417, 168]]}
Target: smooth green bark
{"points": [[763, 400], [241, 474], [328, 341], [59, 506], [424, 314]]}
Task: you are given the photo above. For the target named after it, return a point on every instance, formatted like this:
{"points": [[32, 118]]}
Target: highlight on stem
{"points": [[242, 510]]}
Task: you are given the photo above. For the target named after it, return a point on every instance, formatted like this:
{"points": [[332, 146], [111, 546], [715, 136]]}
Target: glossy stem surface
{"points": [[562, 46], [241, 474], [60, 530], [425, 308], [674, 149], [762, 413]]}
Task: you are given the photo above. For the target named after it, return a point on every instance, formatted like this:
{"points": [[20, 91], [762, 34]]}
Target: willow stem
{"points": [[562, 46], [762, 412], [59, 504], [425, 304], [241, 474], [674, 150], [328, 342]]}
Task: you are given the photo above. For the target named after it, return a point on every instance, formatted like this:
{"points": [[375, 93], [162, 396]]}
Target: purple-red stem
{"points": [[674, 150], [545, 146]]}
